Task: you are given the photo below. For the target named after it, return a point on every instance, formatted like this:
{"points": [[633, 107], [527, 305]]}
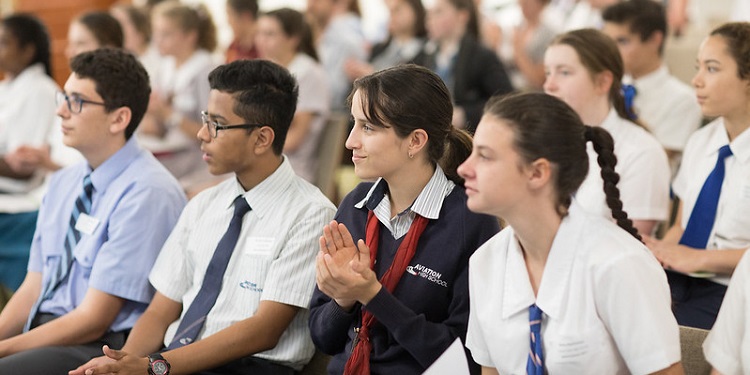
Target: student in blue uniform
{"points": [[395, 301]]}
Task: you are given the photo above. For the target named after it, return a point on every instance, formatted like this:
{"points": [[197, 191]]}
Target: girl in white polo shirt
{"points": [[602, 298], [584, 69], [722, 85]]}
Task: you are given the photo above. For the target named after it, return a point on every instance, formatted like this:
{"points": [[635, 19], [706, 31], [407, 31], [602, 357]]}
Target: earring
{"points": [[410, 155]]}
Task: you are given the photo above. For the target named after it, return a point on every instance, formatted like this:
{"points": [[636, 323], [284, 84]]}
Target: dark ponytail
{"points": [[457, 150], [604, 146]]}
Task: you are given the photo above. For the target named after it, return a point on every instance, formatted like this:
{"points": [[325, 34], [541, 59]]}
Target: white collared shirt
{"points": [[644, 173], [727, 347], [668, 107], [605, 299], [731, 228], [274, 258], [428, 204]]}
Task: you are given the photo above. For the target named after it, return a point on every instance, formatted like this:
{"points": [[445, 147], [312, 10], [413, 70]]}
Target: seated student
{"points": [[395, 306], [27, 116], [285, 38], [712, 228], [664, 103], [241, 16], [406, 37], [472, 72], [584, 69], [727, 347], [99, 230], [560, 290], [185, 36], [93, 30], [254, 321]]}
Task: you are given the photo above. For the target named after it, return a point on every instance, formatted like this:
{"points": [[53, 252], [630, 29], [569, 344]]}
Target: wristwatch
{"points": [[157, 365]]}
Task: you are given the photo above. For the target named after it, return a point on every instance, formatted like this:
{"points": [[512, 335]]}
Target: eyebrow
{"points": [[216, 116]]}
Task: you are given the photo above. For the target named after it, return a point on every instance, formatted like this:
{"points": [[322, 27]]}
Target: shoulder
{"points": [[605, 245], [632, 138], [493, 253], [308, 195]]}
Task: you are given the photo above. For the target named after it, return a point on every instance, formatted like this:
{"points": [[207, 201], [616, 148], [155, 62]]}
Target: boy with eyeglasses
{"points": [[234, 280], [100, 226]]}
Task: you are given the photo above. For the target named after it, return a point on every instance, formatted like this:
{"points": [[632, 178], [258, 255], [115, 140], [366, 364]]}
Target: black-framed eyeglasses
{"points": [[74, 102], [214, 127]]}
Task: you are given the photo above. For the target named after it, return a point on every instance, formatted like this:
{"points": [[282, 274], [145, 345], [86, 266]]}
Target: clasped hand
{"points": [[343, 269]]}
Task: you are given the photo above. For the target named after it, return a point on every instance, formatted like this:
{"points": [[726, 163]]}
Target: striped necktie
{"points": [[195, 316], [535, 363], [82, 206], [702, 218]]}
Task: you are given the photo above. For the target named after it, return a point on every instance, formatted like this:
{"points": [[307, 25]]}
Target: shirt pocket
{"points": [[574, 352]]}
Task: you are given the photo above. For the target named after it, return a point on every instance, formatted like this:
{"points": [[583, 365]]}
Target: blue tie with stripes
{"points": [[702, 218], [535, 363], [82, 206], [196, 314]]}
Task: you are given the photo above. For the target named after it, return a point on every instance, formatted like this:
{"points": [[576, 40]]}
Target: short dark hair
{"points": [[643, 17], [244, 6], [294, 25], [264, 93], [29, 30], [120, 80], [104, 28]]}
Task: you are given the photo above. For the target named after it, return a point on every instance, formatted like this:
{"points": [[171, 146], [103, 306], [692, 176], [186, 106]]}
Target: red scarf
{"points": [[359, 361]]}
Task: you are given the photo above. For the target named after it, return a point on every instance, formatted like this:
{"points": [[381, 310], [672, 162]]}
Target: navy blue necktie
{"points": [[535, 363], [702, 217], [82, 206], [195, 317], [629, 92]]}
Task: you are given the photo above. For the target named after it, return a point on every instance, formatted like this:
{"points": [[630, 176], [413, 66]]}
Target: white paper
{"points": [[451, 362]]}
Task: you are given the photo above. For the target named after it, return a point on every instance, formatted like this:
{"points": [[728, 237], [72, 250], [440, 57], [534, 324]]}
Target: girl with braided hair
{"points": [[584, 69], [590, 293]]}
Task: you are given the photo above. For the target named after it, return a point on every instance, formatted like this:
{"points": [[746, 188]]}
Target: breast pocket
{"points": [[574, 352]]}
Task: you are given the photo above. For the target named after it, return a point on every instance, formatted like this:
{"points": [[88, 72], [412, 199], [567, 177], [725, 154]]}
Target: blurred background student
{"points": [[285, 38]]}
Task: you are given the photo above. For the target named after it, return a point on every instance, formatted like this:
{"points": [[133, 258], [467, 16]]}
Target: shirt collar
{"points": [[102, 176], [740, 146], [653, 80], [556, 272], [429, 202], [263, 197]]}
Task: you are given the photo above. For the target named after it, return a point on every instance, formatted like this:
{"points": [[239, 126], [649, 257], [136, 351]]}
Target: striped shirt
{"points": [[428, 203], [274, 258]]}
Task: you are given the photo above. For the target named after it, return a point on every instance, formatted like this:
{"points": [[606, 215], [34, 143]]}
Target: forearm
{"points": [[533, 72], [147, 336], [7, 171], [645, 227], [329, 324], [722, 261], [71, 329], [298, 131], [15, 314]]}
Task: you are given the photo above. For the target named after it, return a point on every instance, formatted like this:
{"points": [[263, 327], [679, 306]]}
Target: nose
{"points": [[697, 80], [203, 134], [62, 109], [352, 141], [549, 84], [466, 169]]}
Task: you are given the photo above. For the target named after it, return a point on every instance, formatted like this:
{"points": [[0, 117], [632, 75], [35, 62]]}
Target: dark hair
{"points": [[191, 18], [294, 25], [599, 53], [138, 17], [120, 80], [244, 6], [643, 17], [410, 97], [546, 127], [264, 93], [29, 30], [472, 27], [737, 37], [105, 28]]}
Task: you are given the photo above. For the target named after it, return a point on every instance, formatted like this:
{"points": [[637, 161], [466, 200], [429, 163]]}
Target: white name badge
{"points": [[258, 245], [87, 224]]}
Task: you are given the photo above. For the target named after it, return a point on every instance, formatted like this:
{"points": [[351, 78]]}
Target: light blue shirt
{"points": [[135, 204]]}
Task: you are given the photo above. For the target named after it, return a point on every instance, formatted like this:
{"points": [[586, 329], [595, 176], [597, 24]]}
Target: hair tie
{"points": [[629, 92]]}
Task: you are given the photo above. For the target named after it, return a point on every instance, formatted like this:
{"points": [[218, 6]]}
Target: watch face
{"points": [[159, 367]]}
